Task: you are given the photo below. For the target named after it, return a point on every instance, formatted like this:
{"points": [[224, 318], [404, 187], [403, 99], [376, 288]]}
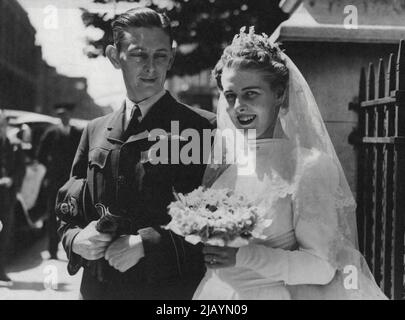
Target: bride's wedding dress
{"points": [[266, 268], [293, 262]]}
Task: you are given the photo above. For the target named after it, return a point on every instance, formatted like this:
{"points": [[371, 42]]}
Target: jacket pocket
{"points": [[98, 157], [98, 175]]}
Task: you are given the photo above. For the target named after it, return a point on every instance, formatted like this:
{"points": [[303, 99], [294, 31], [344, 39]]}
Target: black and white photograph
{"points": [[212, 151]]}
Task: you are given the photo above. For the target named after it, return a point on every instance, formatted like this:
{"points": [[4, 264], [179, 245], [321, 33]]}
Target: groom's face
{"points": [[145, 57]]}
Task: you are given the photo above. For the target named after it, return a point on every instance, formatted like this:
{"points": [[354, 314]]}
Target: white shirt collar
{"points": [[144, 105], [64, 128]]}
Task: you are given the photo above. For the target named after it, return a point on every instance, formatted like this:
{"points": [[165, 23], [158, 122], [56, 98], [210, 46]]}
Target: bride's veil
{"points": [[300, 120], [303, 124]]}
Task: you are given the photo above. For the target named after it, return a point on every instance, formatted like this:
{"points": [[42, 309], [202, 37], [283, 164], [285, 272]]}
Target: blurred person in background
{"points": [[56, 151], [12, 170]]}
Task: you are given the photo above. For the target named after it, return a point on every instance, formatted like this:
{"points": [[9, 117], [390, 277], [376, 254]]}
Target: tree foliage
{"points": [[202, 27]]}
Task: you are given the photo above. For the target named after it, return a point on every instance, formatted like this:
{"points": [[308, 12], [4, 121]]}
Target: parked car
{"points": [[30, 213]]}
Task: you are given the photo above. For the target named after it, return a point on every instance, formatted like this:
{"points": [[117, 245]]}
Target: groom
{"points": [[140, 260]]}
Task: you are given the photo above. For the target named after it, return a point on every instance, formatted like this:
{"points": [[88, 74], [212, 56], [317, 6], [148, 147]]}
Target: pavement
{"points": [[36, 277]]}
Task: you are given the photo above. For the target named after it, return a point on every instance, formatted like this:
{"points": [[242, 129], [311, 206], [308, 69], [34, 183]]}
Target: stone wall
{"points": [[330, 57], [333, 73]]}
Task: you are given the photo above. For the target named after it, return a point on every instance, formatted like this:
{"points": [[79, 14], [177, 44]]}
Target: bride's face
{"points": [[251, 102]]}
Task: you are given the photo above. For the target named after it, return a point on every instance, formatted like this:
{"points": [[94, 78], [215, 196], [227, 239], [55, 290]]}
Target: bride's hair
{"points": [[251, 51]]}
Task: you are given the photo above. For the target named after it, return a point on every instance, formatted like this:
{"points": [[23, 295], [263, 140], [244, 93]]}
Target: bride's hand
{"points": [[219, 257]]}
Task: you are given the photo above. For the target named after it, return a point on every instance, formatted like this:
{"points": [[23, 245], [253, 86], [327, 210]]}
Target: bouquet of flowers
{"points": [[217, 217]]}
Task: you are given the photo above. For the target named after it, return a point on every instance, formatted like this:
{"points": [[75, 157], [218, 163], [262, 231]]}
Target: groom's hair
{"points": [[138, 18]]}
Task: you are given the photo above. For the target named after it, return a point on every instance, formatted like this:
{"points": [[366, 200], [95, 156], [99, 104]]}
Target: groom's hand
{"points": [[91, 244], [125, 252], [219, 257]]}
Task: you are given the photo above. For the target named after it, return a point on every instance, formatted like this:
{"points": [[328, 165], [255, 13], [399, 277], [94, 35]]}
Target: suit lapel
{"points": [[116, 126]]}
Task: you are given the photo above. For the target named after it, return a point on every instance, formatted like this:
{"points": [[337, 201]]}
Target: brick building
{"points": [[55, 88], [19, 57], [26, 81]]}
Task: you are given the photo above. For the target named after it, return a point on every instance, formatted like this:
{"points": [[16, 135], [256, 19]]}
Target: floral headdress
{"points": [[251, 39], [255, 50]]}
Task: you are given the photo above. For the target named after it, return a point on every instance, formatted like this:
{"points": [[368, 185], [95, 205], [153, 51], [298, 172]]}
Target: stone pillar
{"points": [[330, 57]]}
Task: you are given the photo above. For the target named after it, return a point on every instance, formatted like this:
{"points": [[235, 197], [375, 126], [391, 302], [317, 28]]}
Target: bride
{"points": [[310, 249]]}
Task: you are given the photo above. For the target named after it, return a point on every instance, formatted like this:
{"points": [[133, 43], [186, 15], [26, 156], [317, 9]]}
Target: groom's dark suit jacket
{"points": [[115, 177]]}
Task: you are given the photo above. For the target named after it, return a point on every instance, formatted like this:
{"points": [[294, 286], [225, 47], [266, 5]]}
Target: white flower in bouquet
{"points": [[217, 217]]}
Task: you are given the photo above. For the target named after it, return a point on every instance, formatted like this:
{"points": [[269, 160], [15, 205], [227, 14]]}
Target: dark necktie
{"points": [[133, 123]]}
